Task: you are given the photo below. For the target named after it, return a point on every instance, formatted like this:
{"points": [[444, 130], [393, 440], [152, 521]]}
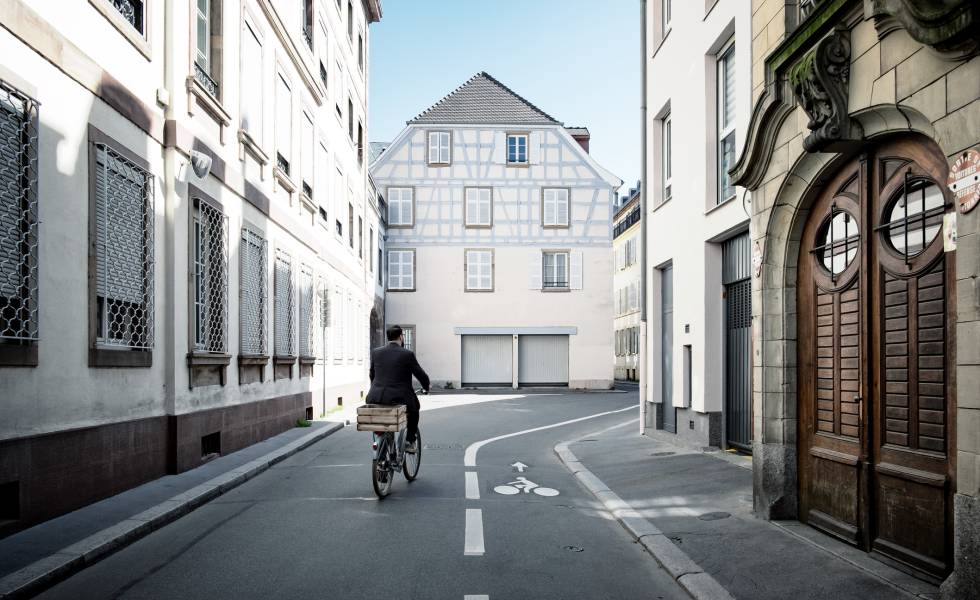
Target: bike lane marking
{"points": [[472, 486], [473, 545]]}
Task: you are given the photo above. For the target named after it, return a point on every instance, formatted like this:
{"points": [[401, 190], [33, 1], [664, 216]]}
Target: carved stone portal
{"points": [[819, 82], [947, 25]]}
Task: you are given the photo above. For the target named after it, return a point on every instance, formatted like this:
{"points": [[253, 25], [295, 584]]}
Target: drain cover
{"points": [[663, 454], [573, 549], [714, 516]]}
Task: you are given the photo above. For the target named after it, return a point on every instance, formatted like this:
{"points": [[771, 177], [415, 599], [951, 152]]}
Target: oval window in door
{"points": [[837, 240], [914, 217]]}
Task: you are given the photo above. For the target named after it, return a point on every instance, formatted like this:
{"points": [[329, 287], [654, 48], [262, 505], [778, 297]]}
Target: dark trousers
{"points": [[413, 425]]}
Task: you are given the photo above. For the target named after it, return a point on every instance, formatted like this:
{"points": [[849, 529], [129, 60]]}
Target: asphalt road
{"points": [[311, 527]]}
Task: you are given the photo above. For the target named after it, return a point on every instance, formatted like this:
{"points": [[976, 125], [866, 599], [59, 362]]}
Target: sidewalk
{"points": [[702, 503], [52, 551]]}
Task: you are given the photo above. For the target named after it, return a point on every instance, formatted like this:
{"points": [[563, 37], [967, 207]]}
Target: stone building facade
{"points": [[866, 313], [184, 229]]}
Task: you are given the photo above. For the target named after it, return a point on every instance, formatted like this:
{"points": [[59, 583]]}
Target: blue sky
{"points": [[577, 60]]}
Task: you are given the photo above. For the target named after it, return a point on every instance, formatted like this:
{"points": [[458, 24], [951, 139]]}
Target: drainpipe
{"points": [[170, 202], [644, 190]]}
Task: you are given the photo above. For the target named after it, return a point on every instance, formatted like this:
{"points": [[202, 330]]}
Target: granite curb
{"points": [[688, 574], [48, 571]]}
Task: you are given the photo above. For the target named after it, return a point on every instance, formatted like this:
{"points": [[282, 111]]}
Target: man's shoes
{"points": [[411, 447]]}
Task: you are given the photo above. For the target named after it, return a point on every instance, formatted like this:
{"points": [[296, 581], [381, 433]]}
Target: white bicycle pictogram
{"points": [[522, 484]]}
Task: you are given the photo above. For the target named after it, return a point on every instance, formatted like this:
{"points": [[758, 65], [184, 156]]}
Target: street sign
{"points": [[964, 180]]}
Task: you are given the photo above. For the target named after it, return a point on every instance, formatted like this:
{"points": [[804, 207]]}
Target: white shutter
{"points": [[534, 271], [499, 148], [433, 146], [561, 207], [408, 270], [444, 153], [534, 148], [575, 279], [548, 218]]}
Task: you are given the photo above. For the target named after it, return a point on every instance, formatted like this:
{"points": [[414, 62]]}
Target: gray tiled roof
{"points": [[481, 100], [375, 149]]}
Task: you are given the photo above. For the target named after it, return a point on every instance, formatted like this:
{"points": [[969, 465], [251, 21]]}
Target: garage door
{"points": [[488, 360], [543, 360]]}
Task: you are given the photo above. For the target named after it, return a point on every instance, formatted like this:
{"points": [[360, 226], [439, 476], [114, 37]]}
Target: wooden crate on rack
{"points": [[379, 417]]}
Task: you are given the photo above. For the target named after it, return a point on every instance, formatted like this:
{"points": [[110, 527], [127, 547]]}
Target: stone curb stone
{"points": [[50, 570], [687, 573]]}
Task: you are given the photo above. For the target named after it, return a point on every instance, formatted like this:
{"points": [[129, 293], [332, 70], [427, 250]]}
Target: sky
{"points": [[577, 60]]}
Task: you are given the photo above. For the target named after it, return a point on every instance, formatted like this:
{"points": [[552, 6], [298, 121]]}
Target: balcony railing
{"points": [[308, 190], [308, 36], [282, 163], [552, 282], [203, 78]]}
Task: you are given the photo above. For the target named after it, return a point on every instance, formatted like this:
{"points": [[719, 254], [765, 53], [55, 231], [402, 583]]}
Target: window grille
{"points": [[123, 251], [284, 304], [555, 269], [319, 316], [132, 11], [252, 294], [210, 278], [309, 313], [18, 216]]}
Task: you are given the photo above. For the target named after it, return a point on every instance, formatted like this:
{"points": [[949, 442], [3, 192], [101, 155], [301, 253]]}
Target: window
{"points": [[401, 207], [133, 12], [517, 149], [360, 237], [360, 51], [839, 238], [124, 223], [401, 270], [479, 270], [360, 143], [338, 189], [439, 145], [251, 82], [408, 332], [323, 197], [18, 217], [914, 217], [308, 23], [555, 274], [479, 207], [350, 224], [284, 304], [554, 207], [726, 122], [207, 60], [350, 21], [252, 294], [284, 124], [337, 324], [306, 156], [381, 277], [350, 118], [665, 15], [309, 312], [371, 249], [338, 87], [210, 256], [665, 155]]}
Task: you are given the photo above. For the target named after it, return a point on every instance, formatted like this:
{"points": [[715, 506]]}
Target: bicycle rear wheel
{"points": [[414, 460], [382, 471]]}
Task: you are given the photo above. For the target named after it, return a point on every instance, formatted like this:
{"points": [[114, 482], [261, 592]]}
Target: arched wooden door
{"points": [[875, 345]]}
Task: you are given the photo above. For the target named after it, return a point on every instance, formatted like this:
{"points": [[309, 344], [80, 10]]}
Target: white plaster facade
{"points": [[439, 306], [89, 69], [686, 227]]}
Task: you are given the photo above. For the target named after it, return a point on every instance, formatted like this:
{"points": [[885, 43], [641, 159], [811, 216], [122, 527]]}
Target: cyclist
{"points": [[392, 368]]}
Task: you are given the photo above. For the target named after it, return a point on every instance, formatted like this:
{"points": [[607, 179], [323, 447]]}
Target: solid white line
{"points": [[469, 459], [472, 486], [476, 597], [473, 544]]}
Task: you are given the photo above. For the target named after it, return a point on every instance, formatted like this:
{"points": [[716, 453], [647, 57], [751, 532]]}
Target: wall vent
{"points": [[309, 413], [9, 501], [211, 445]]}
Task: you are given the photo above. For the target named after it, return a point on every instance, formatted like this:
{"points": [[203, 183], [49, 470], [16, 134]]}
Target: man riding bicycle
{"points": [[392, 368]]}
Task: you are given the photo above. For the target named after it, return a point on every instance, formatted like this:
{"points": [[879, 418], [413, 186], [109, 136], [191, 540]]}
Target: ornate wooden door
{"points": [[876, 365]]}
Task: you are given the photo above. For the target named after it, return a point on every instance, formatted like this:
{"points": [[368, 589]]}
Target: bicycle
{"points": [[389, 449]]}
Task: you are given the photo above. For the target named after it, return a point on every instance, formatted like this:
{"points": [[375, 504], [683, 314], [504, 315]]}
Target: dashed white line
{"points": [[472, 486], [476, 597], [473, 543]]}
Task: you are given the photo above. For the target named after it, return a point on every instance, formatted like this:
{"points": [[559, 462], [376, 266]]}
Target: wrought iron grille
{"points": [[210, 278], [252, 294], [282, 163], [284, 304], [309, 313], [323, 75], [18, 216], [132, 11], [124, 251], [205, 79]]}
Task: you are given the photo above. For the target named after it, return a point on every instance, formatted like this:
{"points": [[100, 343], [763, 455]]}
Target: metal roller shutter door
{"points": [[488, 360], [543, 360]]}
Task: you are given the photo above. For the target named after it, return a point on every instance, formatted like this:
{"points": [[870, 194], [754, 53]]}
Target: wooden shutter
{"points": [[575, 270]]}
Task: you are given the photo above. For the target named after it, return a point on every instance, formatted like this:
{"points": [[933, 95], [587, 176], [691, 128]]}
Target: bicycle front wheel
{"points": [[381, 470], [413, 460]]}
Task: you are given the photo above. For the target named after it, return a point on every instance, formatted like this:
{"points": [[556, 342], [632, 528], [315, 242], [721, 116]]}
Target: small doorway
{"points": [[667, 410], [735, 272]]}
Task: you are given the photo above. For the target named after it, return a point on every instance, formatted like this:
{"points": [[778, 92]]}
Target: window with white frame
{"points": [[123, 249], [133, 11], [338, 86], [517, 148], [408, 332], [337, 324], [321, 177], [338, 194], [401, 207], [308, 23], [401, 270], [726, 121], [251, 83], [666, 158], [555, 270], [479, 270], [252, 294], [554, 207], [308, 312], [210, 256], [18, 217], [307, 155], [284, 123], [350, 225], [207, 39], [479, 207], [284, 304], [439, 148]]}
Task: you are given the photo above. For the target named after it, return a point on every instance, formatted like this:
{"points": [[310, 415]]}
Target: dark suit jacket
{"points": [[392, 368]]}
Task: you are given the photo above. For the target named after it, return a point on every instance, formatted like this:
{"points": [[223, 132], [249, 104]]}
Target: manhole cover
{"points": [[574, 549], [663, 454], [714, 516]]}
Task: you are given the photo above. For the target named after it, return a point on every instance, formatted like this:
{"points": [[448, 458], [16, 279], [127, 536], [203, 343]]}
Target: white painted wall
{"points": [[440, 302], [685, 230], [623, 278]]}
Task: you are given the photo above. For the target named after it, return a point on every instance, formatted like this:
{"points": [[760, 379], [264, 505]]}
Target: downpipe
{"points": [[644, 190]]}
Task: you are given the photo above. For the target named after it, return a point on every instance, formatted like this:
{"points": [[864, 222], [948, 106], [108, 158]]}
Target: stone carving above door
{"points": [[946, 25], [819, 83]]}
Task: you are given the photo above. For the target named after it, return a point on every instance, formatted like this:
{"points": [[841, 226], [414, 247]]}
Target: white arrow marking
{"points": [[519, 466]]}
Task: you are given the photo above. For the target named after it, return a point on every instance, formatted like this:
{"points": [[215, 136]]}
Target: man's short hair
{"points": [[394, 332]]}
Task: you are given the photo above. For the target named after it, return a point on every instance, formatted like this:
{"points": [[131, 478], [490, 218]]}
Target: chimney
{"points": [[580, 135]]}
